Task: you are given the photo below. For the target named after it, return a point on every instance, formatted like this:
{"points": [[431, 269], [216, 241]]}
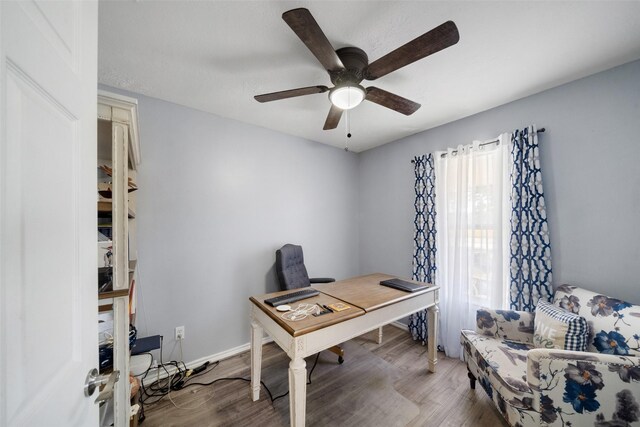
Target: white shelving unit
{"points": [[118, 148]]}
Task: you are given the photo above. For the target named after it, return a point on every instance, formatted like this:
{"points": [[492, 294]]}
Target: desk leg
{"points": [[379, 340], [297, 391], [256, 359], [433, 337]]}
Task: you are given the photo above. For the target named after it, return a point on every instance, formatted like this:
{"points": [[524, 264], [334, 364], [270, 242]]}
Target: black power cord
{"points": [[158, 389], [308, 379], [273, 399], [181, 380]]}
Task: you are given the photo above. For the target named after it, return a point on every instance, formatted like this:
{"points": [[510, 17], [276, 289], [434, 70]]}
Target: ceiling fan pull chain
{"points": [[348, 125], [346, 122]]}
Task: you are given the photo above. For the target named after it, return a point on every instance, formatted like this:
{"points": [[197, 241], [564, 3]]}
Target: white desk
{"points": [[372, 305]]}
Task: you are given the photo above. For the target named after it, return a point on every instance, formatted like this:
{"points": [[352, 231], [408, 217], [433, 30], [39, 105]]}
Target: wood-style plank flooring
{"points": [[378, 385]]}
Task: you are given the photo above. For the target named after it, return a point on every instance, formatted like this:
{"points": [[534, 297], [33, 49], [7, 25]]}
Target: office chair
{"points": [[292, 274]]}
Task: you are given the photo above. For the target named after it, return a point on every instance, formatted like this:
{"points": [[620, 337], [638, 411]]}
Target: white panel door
{"points": [[48, 282]]}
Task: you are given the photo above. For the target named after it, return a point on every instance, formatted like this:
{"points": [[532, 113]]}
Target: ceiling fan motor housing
{"points": [[355, 61]]}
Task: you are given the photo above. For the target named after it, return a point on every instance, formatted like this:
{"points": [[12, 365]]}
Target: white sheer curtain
{"points": [[472, 202]]}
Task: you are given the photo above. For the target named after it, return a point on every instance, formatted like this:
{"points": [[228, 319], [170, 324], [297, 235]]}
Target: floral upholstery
{"points": [[585, 388], [612, 327], [550, 387], [493, 356], [506, 324], [501, 368]]}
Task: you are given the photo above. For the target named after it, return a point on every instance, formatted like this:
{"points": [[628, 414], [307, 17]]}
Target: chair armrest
{"points": [[505, 324], [322, 280], [584, 388]]}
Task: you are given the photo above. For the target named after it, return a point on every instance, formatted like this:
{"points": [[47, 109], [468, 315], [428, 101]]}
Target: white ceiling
{"points": [[215, 56]]}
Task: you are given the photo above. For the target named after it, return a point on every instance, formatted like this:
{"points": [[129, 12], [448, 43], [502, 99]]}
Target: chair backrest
{"points": [[292, 273]]}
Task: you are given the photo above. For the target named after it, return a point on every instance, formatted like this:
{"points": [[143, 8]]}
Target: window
{"points": [[472, 205]]}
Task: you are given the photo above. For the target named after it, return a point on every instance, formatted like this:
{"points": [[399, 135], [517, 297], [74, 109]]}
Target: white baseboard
{"points": [[225, 354], [153, 376], [400, 325]]}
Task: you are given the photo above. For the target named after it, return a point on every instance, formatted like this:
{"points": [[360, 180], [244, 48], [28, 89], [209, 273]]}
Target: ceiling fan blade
{"points": [[431, 42], [305, 26], [290, 93], [392, 101], [333, 118]]}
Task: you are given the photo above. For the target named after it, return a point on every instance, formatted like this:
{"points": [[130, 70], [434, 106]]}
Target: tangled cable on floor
{"points": [[182, 378]]}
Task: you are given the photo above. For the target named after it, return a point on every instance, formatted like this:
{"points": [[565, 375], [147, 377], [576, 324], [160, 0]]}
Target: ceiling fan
{"points": [[348, 66]]}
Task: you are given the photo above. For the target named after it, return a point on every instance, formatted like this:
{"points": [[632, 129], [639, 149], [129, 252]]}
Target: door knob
{"points": [[94, 380]]}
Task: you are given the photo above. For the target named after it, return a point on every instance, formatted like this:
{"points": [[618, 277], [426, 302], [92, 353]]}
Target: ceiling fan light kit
{"points": [[348, 66], [347, 97]]}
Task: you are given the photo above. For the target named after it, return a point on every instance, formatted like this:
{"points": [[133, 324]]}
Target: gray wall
{"points": [[217, 197], [590, 158]]}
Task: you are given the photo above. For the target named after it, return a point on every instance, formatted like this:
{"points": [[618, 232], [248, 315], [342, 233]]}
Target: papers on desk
{"points": [[338, 306]]}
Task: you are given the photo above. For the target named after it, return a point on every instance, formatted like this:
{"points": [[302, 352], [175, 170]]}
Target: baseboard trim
{"points": [[225, 354], [153, 376], [400, 325]]}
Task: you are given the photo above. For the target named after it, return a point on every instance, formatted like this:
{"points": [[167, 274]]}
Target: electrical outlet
{"points": [[179, 333]]}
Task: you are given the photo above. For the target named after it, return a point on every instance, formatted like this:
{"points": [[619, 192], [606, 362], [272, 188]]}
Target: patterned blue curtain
{"points": [[530, 267], [424, 252]]}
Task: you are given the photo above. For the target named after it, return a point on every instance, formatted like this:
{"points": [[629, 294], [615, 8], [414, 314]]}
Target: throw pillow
{"points": [[555, 327]]}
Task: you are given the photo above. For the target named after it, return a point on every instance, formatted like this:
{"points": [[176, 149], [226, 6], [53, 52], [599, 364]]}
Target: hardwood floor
{"points": [[378, 385]]}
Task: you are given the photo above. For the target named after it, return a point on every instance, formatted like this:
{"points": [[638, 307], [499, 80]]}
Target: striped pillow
{"points": [[555, 327]]}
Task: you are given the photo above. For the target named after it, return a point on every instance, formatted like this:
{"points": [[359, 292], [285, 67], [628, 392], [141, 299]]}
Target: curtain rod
{"points": [[493, 141]]}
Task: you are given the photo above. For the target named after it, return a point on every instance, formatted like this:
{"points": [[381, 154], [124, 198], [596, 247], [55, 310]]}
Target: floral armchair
{"points": [[549, 387]]}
